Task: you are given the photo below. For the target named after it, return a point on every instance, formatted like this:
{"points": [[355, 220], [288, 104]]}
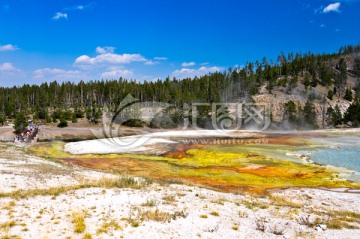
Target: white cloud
{"points": [[7, 66], [60, 15], [8, 47], [190, 73], [160, 58], [105, 59], [187, 64], [322, 26], [114, 74], [52, 74], [333, 7], [80, 7], [9, 73], [105, 49], [151, 63]]}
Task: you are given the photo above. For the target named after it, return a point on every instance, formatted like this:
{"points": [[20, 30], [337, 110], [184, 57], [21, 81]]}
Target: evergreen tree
{"points": [[352, 114], [63, 123], [330, 95], [74, 119], [290, 112], [357, 66], [310, 115], [307, 81], [314, 81], [2, 120], [20, 123], [348, 95], [334, 116], [342, 77]]}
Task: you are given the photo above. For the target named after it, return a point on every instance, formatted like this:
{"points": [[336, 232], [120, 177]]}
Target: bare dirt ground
{"points": [[43, 199], [85, 130], [7, 133]]}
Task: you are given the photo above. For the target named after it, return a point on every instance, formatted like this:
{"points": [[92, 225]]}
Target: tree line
{"points": [[67, 101]]}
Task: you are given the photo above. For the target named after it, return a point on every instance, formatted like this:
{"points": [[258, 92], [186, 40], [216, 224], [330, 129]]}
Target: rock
{"points": [[323, 226], [318, 229]]}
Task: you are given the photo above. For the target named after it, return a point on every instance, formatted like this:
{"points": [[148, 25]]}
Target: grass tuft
{"points": [[79, 221], [149, 203], [157, 215], [112, 224], [214, 213], [7, 225], [87, 236]]}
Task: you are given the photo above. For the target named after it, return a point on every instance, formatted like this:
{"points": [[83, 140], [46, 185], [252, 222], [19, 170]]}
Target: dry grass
{"points": [[260, 225], [106, 226], [277, 230], [10, 237], [157, 215], [125, 182], [169, 198], [79, 221], [9, 206], [255, 204], [340, 222], [214, 213], [87, 236], [150, 203], [305, 220], [243, 214], [282, 201], [220, 201], [7, 225], [203, 216]]}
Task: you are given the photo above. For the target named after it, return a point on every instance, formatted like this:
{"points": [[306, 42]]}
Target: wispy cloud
{"points": [[190, 73], [115, 74], [7, 66], [80, 7], [322, 25], [105, 49], [333, 7], [64, 13], [8, 72], [51, 74], [187, 64], [160, 58], [151, 63], [319, 9], [8, 47], [60, 15]]}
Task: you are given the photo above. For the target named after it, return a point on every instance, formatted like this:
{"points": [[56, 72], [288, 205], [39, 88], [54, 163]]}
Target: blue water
{"points": [[342, 156]]}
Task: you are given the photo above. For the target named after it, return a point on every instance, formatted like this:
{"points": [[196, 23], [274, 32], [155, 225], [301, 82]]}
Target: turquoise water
{"points": [[342, 156]]}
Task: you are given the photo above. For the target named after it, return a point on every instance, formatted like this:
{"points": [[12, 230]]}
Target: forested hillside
{"points": [[309, 84]]}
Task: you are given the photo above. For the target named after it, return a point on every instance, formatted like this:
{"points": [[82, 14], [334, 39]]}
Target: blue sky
{"points": [[45, 40]]}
